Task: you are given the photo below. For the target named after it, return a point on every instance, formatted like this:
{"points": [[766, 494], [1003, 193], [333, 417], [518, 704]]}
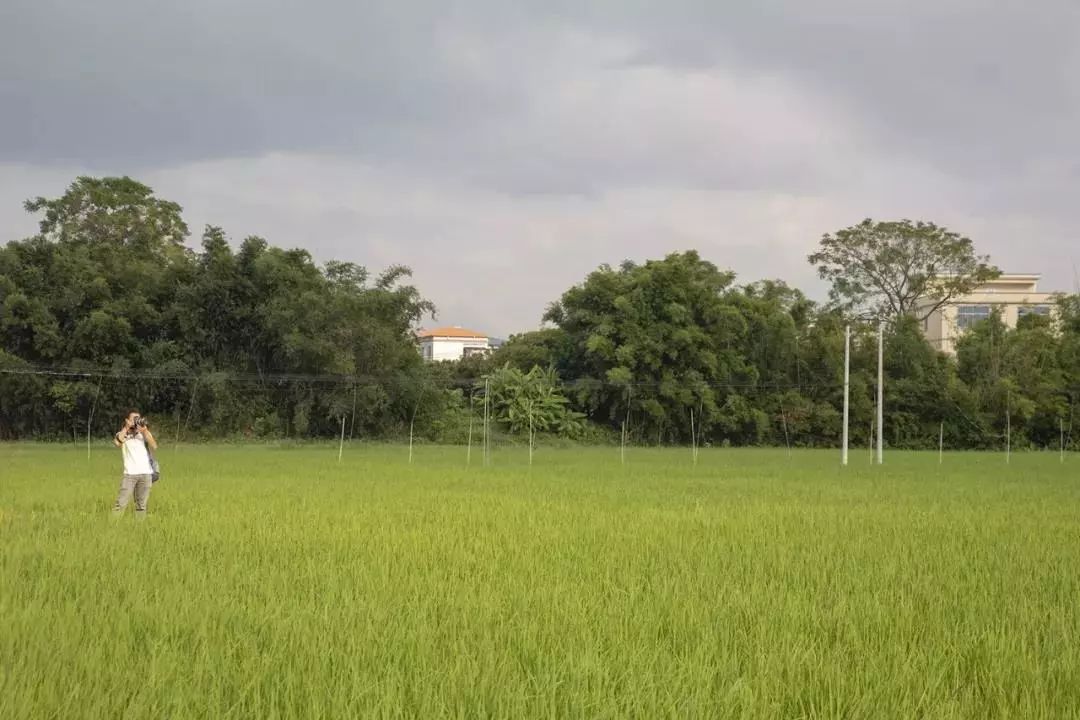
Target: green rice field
{"points": [[276, 582]]}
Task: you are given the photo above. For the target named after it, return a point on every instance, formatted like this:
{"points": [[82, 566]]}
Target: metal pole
{"points": [[1061, 426], [90, 418], [622, 455], [871, 441], [487, 406], [341, 445], [941, 443], [352, 415], [625, 426], [698, 435], [472, 412], [847, 389], [787, 439], [693, 438], [177, 441], [412, 424], [1008, 427], [191, 406], [880, 392]]}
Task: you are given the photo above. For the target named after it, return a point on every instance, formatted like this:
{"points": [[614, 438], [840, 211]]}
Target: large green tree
{"points": [[660, 341], [253, 338], [895, 268], [1019, 378], [108, 285]]}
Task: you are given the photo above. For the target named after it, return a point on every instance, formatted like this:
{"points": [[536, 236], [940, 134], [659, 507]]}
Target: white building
{"points": [[1014, 295], [451, 343]]}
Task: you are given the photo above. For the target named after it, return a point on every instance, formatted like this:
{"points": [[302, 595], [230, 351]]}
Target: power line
{"points": [[264, 379], [268, 380]]}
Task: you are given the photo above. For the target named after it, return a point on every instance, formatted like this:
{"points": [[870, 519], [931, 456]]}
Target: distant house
{"points": [[1014, 295], [451, 343]]}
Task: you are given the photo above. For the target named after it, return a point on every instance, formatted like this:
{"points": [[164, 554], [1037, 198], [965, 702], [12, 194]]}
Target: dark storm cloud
{"points": [[503, 149], [156, 83], [973, 86]]}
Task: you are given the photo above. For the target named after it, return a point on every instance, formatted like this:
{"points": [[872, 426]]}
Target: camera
{"points": [[138, 422]]}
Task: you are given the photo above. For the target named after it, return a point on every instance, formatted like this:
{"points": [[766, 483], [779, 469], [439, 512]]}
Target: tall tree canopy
{"points": [[896, 268], [120, 211], [229, 338], [108, 284], [668, 343]]}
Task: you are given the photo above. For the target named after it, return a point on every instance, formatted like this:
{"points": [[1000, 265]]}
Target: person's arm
{"points": [[149, 437], [118, 439]]}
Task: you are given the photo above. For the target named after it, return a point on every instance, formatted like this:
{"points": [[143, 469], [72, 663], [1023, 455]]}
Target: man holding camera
{"points": [[135, 442]]}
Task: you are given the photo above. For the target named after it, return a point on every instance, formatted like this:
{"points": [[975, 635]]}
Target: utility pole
{"points": [[487, 423], [880, 390], [847, 389]]}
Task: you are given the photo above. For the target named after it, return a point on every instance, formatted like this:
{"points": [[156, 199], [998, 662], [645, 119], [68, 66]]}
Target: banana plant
{"points": [[531, 402]]}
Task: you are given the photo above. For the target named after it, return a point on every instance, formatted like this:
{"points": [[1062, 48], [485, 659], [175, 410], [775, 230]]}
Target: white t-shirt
{"points": [[136, 456]]}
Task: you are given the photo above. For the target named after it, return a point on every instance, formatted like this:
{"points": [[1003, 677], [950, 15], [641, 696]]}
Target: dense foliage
{"points": [[204, 335], [261, 341], [899, 268]]}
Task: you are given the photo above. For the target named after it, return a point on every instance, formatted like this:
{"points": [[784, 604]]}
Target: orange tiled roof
{"points": [[453, 332]]}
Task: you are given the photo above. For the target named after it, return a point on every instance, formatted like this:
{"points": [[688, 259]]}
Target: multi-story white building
{"points": [[1014, 295], [451, 343]]}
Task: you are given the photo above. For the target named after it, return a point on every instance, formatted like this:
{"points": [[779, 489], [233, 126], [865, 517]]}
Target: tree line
{"points": [[108, 306]]}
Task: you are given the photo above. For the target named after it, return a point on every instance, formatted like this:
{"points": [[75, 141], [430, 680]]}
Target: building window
{"points": [[968, 315], [1025, 310]]}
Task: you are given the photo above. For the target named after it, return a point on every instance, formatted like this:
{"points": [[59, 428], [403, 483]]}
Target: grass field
{"points": [[276, 583]]}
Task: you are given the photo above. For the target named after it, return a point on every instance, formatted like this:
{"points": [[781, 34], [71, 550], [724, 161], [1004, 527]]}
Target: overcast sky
{"points": [[505, 149]]}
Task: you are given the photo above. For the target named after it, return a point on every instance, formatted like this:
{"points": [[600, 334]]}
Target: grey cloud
{"points": [[454, 88], [517, 145], [976, 87], [119, 81]]}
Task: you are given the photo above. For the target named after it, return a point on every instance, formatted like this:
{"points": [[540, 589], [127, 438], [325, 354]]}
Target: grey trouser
{"points": [[137, 484]]}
